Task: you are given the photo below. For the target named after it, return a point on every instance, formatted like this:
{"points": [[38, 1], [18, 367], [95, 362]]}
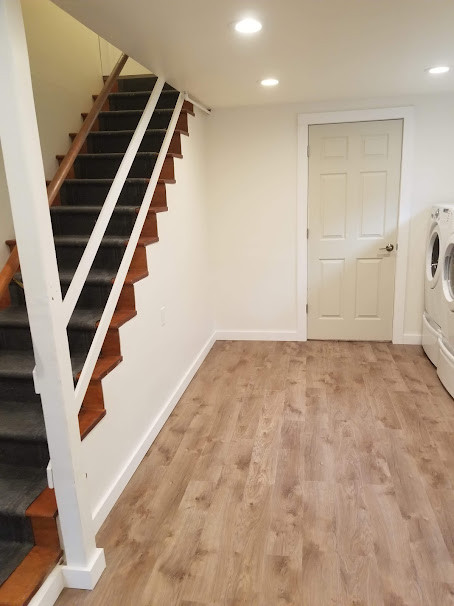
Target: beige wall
{"points": [[110, 55], [66, 71]]}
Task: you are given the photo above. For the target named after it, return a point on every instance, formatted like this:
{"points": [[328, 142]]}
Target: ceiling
{"points": [[319, 49]]}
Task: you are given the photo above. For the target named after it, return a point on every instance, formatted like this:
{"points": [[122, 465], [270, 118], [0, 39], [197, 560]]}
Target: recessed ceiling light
{"points": [[248, 26], [440, 69], [269, 82]]}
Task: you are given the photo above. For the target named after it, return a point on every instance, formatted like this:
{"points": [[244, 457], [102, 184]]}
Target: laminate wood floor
{"points": [[306, 474]]}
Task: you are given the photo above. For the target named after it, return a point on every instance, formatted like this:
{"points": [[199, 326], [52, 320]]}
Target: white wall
{"points": [[156, 358], [6, 220], [253, 190]]}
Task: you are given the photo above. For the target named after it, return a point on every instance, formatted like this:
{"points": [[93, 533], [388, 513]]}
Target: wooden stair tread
{"points": [[147, 240], [178, 131], [134, 276], [25, 581], [88, 419], [158, 209], [104, 366], [161, 181], [121, 317], [61, 157], [45, 506], [187, 108], [142, 241]]}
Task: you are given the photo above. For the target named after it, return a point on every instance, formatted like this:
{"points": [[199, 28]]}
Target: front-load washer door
{"points": [[448, 274], [433, 265]]}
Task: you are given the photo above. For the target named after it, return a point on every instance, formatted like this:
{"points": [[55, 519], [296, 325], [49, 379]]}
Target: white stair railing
{"points": [[53, 376], [98, 232], [49, 314], [85, 263]]}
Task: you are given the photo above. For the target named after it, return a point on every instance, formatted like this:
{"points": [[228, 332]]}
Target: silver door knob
{"points": [[388, 247]]}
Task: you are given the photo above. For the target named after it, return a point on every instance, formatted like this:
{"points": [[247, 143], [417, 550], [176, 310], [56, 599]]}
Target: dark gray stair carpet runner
{"points": [[23, 446]]}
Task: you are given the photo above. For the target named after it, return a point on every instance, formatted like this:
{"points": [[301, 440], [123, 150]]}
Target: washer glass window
{"points": [[435, 255]]}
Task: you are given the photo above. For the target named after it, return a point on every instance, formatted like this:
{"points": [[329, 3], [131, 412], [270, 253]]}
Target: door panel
{"points": [[373, 204], [367, 288], [331, 287], [334, 205], [354, 185]]}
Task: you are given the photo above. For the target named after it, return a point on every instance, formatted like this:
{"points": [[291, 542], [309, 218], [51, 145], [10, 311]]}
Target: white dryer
{"points": [[446, 355], [439, 230]]}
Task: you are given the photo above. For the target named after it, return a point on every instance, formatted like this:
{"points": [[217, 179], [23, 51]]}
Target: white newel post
{"points": [[53, 376]]}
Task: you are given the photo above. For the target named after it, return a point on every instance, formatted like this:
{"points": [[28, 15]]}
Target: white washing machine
{"points": [[445, 367], [441, 219]]}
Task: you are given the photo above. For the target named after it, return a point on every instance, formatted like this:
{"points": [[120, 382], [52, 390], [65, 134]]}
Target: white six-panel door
{"points": [[354, 185]]}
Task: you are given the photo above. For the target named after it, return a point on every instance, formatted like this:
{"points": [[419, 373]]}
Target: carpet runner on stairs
{"points": [[23, 447]]}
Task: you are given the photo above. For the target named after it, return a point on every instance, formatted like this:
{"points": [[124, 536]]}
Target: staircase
{"points": [[29, 543]]}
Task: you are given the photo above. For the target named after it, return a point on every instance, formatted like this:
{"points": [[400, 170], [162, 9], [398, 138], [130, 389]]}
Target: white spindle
{"points": [[106, 318], [102, 222]]}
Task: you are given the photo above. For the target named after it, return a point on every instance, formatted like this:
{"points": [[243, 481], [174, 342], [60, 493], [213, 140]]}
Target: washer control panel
{"points": [[443, 215]]}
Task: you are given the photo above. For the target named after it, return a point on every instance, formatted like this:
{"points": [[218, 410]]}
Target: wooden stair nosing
{"points": [[142, 241], [121, 317], [25, 581], [104, 366], [88, 419], [44, 506], [161, 181], [135, 276]]}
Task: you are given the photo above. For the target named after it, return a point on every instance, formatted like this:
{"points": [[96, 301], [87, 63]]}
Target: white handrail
{"points": [[114, 295], [94, 242], [198, 104]]}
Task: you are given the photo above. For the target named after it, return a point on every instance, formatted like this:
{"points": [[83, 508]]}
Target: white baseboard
{"points": [[110, 498], [257, 335], [412, 339], [287, 335], [49, 591], [62, 576]]}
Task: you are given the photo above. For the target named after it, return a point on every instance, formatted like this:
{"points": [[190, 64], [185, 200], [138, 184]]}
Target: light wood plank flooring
{"points": [[303, 474]]}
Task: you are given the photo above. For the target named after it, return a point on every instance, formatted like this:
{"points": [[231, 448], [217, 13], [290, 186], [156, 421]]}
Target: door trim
{"points": [[403, 228]]}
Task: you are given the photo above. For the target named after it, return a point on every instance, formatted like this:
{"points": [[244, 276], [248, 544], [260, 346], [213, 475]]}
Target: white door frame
{"points": [[360, 115]]}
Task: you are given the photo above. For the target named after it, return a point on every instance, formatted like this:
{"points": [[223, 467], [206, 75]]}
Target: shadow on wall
{"points": [[6, 220]]}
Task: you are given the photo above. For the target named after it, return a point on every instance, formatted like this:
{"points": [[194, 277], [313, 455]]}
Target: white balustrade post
{"points": [[53, 374]]}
